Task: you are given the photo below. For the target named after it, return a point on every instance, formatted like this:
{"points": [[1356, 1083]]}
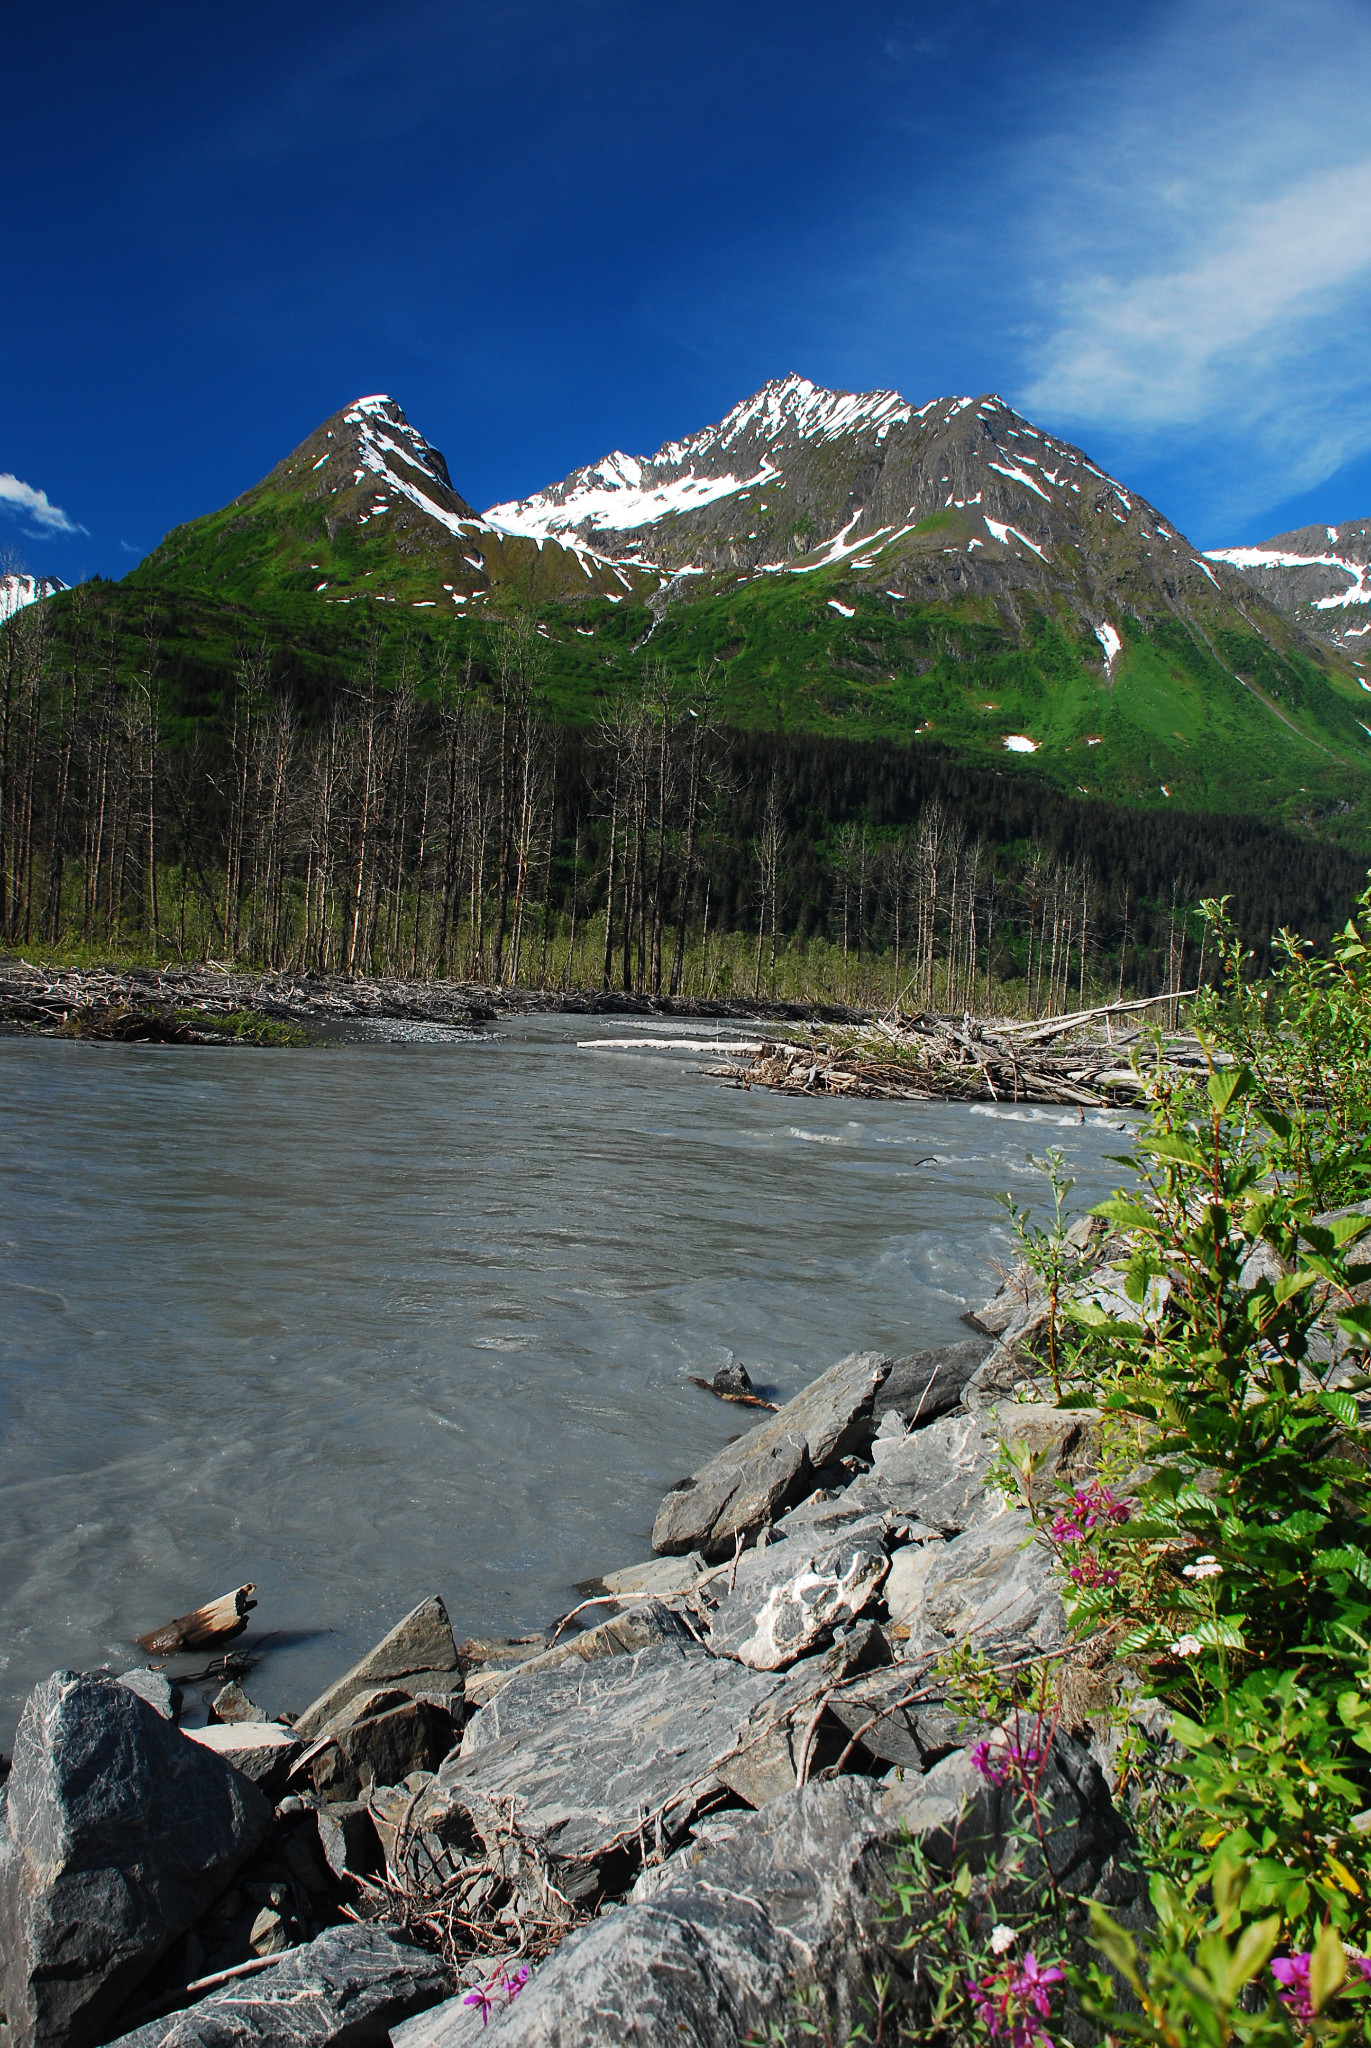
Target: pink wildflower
{"points": [[503, 1988], [1012, 2000], [1293, 1973], [1006, 1763]]}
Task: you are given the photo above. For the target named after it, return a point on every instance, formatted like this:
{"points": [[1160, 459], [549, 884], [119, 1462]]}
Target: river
{"points": [[414, 1313]]}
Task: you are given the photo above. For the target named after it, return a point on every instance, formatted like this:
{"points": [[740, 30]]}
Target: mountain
{"points": [[962, 497], [953, 572], [365, 507], [849, 564], [1320, 575], [18, 590]]}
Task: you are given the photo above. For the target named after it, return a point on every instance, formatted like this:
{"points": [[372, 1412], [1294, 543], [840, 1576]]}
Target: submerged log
{"points": [[218, 1622]]}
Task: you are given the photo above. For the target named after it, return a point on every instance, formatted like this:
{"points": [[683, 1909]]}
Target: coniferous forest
{"points": [[418, 814]]}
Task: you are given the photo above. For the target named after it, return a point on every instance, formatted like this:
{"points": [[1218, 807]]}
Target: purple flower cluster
{"points": [[1292, 1972], [1092, 1507], [1014, 2000], [503, 1988], [1007, 1763]]}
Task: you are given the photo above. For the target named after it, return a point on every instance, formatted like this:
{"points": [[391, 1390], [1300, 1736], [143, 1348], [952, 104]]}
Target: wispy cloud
{"points": [[35, 506], [1203, 247]]}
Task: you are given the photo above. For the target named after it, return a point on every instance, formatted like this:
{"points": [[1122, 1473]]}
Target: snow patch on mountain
{"points": [[627, 491], [17, 591]]}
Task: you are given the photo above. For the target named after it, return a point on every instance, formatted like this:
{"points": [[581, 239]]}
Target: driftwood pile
{"points": [[1079, 1060]]}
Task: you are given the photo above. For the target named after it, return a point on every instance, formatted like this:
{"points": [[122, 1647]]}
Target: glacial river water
{"points": [[382, 1318]]}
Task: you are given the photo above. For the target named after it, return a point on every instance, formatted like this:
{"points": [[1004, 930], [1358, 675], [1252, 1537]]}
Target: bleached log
{"points": [[218, 1622]]}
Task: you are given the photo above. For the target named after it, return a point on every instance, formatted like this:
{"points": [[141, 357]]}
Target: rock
{"points": [[270, 1933], [156, 1688], [732, 1379], [709, 1511], [890, 1726], [121, 1831], [380, 1749], [766, 1759], [785, 1897], [994, 1582], [419, 1655], [597, 1753], [904, 1582], [659, 1575], [935, 1475], [921, 1388], [1064, 1442], [348, 1838], [478, 1651], [789, 1596], [1019, 1298], [646, 1621], [262, 1750], [347, 1987], [231, 1704], [748, 1482], [960, 1816]]}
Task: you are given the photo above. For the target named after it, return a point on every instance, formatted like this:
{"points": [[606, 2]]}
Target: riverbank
{"points": [[725, 1744], [46, 998]]}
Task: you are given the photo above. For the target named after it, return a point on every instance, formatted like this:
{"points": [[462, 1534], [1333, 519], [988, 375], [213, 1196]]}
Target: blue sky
{"points": [[555, 229]]}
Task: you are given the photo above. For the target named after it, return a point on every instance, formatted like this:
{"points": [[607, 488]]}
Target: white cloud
{"points": [[34, 505], [1201, 236]]}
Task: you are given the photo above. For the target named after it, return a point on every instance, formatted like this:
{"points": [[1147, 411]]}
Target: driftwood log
{"points": [[928, 1058], [218, 1622]]}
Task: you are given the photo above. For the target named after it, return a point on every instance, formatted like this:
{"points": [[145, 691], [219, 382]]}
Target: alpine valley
{"points": [[349, 719]]}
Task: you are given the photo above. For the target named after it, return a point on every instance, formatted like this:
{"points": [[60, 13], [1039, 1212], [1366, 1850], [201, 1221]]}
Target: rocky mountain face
{"points": [[1320, 575], [18, 590], [365, 507], [959, 498]]}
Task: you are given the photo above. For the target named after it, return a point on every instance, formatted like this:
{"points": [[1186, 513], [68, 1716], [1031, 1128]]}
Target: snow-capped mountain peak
{"points": [[1319, 574]]}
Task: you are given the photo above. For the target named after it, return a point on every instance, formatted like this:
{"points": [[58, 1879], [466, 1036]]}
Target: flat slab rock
{"points": [[346, 1989], [749, 1482], [929, 1384], [588, 1750], [121, 1832], [644, 1623], [789, 1596]]}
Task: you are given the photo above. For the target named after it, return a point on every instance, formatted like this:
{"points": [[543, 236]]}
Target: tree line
{"points": [[427, 816]]}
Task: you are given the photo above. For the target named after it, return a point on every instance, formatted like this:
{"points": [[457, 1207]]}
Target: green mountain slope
{"points": [[1045, 619]]}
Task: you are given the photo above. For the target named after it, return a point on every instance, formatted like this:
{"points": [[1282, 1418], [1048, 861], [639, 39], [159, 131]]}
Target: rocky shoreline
{"points": [[657, 1821]]}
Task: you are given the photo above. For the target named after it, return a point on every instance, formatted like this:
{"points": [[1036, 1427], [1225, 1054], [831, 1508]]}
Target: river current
{"points": [[415, 1313]]}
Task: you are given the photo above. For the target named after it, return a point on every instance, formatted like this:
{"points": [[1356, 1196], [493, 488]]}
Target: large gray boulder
{"points": [[346, 1989], [721, 1937], [603, 1757], [961, 1817], [789, 1597], [418, 1656], [121, 1831], [749, 1482]]}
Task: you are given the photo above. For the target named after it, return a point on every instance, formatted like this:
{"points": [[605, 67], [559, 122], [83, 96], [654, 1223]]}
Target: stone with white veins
{"points": [[788, 1597]]}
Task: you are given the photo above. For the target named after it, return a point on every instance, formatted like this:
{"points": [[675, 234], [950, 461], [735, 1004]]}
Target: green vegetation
{"points": [[1217, 1565]]}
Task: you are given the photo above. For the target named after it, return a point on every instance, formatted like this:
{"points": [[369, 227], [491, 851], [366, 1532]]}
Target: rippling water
{"points": [[384, 1318]]}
